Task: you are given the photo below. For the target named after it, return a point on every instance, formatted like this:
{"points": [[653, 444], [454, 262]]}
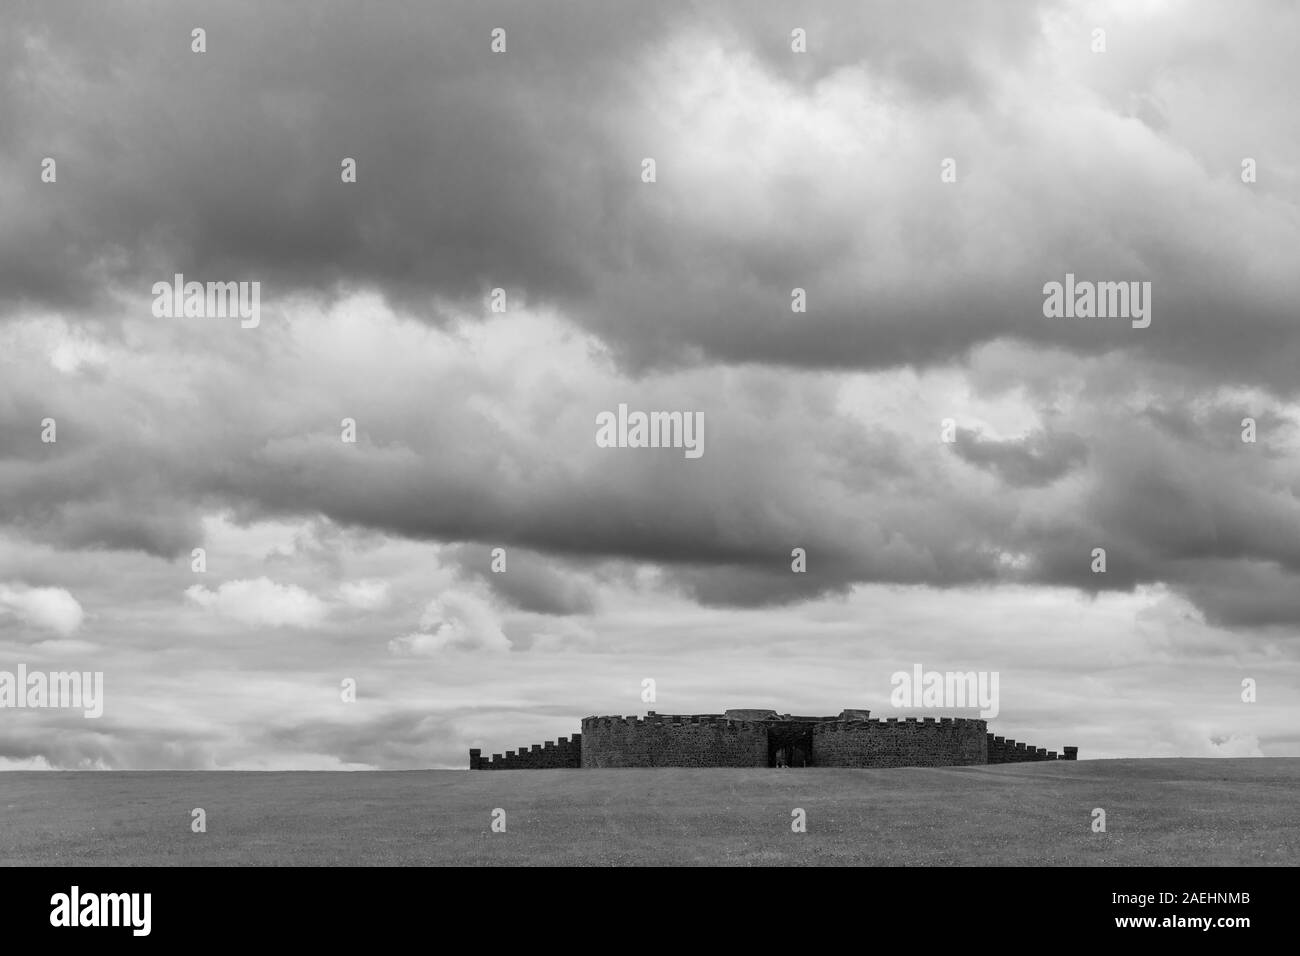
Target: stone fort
{"points": [[764, 738]]}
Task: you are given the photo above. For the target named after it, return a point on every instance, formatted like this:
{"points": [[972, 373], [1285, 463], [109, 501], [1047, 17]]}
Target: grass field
{"points": [[1175, 812]]}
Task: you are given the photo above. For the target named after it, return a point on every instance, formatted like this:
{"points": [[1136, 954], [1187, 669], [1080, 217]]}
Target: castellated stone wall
{"points": [[552, 755], [673, 742], [923, 742], [714, 740], [1006, 750]]}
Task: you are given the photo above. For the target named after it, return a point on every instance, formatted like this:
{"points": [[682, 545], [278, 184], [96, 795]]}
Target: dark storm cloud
{"points": [[1245, 593], [867, 504], [228, 162], [776, 171], [405, 737], [474, 170], [520, 171], [103, 743], [1037, 459], [390, 740], [529, 581]]}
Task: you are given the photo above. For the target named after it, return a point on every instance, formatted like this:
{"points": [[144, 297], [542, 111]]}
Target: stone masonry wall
{"points": [[673, 742], [711, 740], [913, 742], [557, 754], [1006, 750]]}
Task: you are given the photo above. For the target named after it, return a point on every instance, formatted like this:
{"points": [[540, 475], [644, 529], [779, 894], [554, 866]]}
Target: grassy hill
{"points": [[1176, 812]]}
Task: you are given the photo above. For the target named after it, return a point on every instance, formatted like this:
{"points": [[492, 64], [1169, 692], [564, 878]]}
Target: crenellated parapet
{"points": [[673, 741], [905, 742], [1006, 750], [552, 755], [763, 738]]}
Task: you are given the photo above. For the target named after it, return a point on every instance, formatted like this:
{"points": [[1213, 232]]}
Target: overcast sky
{"points": [[522, 170]]}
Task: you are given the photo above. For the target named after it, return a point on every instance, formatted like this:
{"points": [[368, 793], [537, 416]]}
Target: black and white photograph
{"points": [[599, 434]]}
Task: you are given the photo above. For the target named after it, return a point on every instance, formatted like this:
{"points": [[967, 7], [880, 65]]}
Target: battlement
{"points": [[840, 726], [672, 740], [657, 720], [1006, 750], [553, 754], [762, 738]]}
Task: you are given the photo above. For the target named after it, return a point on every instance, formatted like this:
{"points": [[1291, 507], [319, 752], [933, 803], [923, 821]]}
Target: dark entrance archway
{"points": [[789, 744]]}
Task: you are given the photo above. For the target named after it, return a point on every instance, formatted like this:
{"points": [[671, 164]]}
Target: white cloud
{"points": [[563, 634], [50, 608], [367, 595], [25, 763], [261, 602], [455, 621], [75, 350], [66, 647]]}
